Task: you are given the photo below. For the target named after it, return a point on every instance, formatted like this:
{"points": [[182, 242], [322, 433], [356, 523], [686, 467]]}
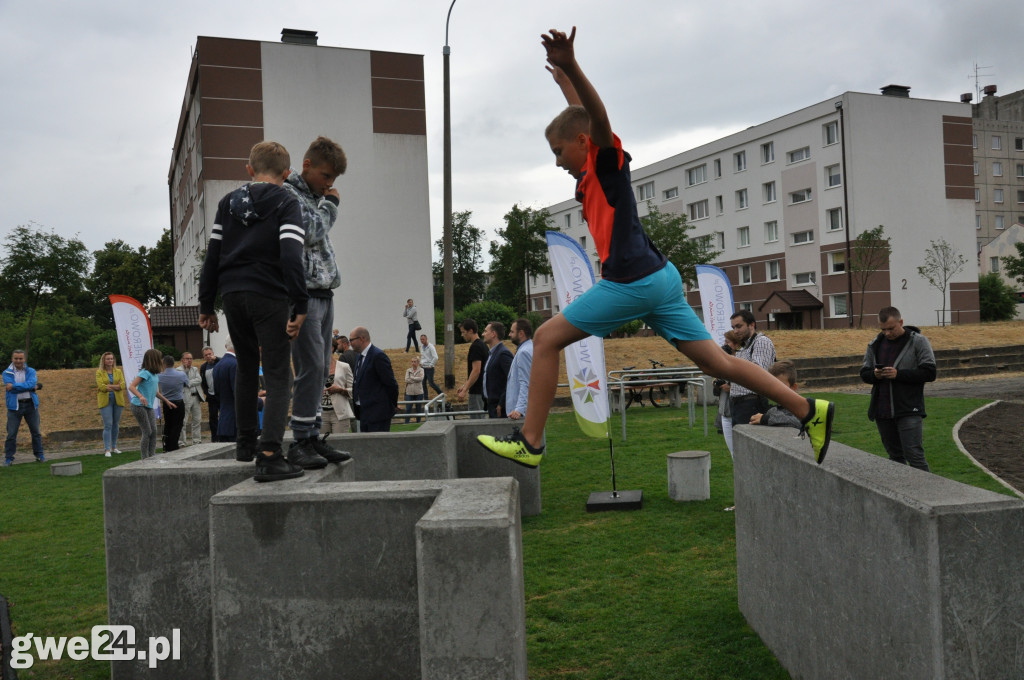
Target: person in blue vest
{"points": [[22, 404]]}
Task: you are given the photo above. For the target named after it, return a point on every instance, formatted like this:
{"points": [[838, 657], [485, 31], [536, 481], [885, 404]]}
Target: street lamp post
{"points": [[449, 279]]}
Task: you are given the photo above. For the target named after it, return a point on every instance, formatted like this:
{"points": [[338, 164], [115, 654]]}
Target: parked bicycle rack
{"points": [[631, 379]]}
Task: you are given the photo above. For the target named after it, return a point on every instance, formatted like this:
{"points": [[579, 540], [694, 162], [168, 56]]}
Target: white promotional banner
{"points": [[134, 334], [584, 360], [715, 300]]}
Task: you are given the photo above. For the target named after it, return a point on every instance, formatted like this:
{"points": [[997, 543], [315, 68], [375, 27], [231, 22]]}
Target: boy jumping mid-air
{"points": [[637, 280]]}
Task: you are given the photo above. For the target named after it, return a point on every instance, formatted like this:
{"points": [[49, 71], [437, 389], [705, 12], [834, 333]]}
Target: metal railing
{"points": [[640, 378]]}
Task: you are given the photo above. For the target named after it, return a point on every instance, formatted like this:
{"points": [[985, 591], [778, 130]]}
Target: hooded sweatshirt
{"points": [[318, 216], [256, 246]]}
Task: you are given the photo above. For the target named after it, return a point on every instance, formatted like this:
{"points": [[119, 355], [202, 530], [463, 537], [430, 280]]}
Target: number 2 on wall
{"points": [[904, 284]]}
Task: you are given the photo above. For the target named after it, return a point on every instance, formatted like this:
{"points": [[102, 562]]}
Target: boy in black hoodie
{"points": [[254, 258]]}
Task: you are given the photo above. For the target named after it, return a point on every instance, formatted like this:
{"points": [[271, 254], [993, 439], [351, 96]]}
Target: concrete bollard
{"points": [[689, 476], [69, 469]]}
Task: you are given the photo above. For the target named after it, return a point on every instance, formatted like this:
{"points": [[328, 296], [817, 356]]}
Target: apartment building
{"points": [[998, 162], [781, 200], [240, 92]]}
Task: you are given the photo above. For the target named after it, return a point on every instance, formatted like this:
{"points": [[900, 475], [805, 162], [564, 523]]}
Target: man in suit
{"points": [[374, 389], [194, 398], [209, 391], [224, 387], [496, 368]]}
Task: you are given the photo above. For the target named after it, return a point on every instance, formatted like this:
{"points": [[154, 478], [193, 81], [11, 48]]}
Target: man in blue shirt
{"points": [[20, 385], [172, 385]]}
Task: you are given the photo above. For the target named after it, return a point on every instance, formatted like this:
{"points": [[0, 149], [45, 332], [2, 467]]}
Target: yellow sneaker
{"points": [[818, 426], [513, 447]]}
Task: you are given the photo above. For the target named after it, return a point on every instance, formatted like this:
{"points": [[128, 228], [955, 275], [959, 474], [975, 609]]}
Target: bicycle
{"points": [[658, 395]]}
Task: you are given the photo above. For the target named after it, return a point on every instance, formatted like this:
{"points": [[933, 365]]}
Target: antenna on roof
{"points": [[977, 76]]}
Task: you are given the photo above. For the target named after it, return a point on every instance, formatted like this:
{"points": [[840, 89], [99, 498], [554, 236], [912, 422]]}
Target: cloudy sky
{"points": [[91, 92]]}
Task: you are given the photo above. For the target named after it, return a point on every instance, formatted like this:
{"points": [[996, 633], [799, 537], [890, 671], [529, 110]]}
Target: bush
{"points": [[484, 313], [628, 329], [998, 300]]}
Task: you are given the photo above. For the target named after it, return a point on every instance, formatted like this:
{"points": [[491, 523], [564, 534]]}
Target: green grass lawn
{"points": [[649, 594]]}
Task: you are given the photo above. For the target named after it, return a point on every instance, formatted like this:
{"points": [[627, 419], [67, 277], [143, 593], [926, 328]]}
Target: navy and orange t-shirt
{"points": [[609, 208]]}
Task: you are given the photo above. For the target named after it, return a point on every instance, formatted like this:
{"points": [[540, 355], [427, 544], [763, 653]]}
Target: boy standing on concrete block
{"points": [[637, 280]]}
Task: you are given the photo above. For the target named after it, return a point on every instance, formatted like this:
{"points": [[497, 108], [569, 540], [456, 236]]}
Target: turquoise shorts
{"points": [[657, 299]]}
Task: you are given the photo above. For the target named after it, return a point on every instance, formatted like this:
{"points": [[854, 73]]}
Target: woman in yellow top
{"points": [[110, 389]]}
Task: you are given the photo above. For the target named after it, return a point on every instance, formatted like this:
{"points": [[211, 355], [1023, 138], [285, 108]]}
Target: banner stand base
{"points": [[600, 501]]}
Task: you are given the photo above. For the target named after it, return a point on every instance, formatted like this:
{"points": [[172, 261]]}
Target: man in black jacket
{"points": [[897, 364]]}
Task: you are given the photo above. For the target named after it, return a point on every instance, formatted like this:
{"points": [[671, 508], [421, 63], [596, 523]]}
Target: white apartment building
{"points": [[240, 92], [998, 162], [781, 199]]}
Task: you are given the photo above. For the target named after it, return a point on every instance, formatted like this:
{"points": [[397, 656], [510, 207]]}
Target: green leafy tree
{"points": [[1013, 266], [41, 270], [62, 338], [521, 253], [869, 253], [160, 269], [998, 300], [483, 313], [118, 269], [467, 257], [669, 233], [941, 263]]}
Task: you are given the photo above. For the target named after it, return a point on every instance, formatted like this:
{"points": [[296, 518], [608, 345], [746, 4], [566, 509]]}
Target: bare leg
{"points": [[710, 358], [551, 338]]}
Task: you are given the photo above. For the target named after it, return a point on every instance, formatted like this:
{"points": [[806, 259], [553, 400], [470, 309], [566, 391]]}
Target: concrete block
{"points": [[396, 579], [864, 568], [69, 469], [156, 525], [475, 462], [689, 476]]}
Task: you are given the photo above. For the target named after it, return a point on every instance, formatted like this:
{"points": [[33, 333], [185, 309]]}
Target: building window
{"points": [[997, 169], [645, 192], [568, 220], [997, 195], [697, 175], [804, 279], [719, 205], [771, 231], [801, 237], [744, 274], [718, 167], [769, 192], [1000, 222], [1018, 143], [993, 264], [977, 195], [831, 132], [741, 199], [583, 244], [742, 237], [997, 142], [746, 307], [671, 193], [768, 152], [1020, 169], [698, 210], [974, 140], [579, 217], [832, 177], [837, 262], [975, 168], [838, 304], [799, 155], [739, 161], [718, 238], [834, 219], [1020, 195], [977, 221], [773, 269], [801, 196]]}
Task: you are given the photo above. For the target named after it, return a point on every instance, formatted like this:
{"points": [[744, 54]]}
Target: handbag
{"points": [[416, 326]]}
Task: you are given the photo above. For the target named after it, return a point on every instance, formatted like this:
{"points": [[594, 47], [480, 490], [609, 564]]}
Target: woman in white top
{"points": [[340, 391]]}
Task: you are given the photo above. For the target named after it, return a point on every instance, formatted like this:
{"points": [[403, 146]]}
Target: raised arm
{"points": [[568, 91], [562, 55]]}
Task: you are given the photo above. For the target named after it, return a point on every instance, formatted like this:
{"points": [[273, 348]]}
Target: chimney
{"points": [[966, 97], [295, 36], [896, 91], [989, 90]]}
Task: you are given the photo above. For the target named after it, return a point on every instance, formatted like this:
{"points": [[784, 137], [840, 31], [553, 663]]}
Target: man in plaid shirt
{"points": [[758, 349]]}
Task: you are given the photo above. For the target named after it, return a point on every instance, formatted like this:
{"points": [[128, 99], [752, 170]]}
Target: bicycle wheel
{"points": [[658, 395], [634, 395]]}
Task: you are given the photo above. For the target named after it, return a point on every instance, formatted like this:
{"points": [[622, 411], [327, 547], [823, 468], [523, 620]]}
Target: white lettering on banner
{"points": [[106, 643]]}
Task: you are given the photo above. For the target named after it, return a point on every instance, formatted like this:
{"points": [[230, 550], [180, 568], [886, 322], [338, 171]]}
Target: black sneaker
{"points": [[303, 454], [325, 450], [275, 468], [246, 449]]}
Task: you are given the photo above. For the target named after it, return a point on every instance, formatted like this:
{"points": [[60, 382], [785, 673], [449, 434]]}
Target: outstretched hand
{"points": [[559, 47]]}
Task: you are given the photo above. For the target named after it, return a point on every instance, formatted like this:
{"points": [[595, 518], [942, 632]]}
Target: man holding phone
{"points": [[897, 364]]}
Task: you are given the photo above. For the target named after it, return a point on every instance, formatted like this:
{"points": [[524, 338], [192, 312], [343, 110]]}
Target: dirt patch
{"points": [[993, 437]]}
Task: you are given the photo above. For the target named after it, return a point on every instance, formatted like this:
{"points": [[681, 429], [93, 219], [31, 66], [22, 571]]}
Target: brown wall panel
{"points": [[224, 168], [392, 65], [227, 52], [959, 155], [229, 142], [230, 83], [398, 94], [399, 122], [960, 192], [232, 112], [957, 130]]}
